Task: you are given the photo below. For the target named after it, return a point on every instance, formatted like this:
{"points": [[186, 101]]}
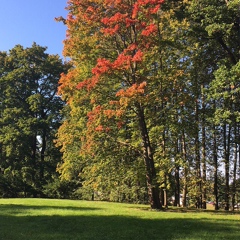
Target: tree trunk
{"points": [[165, 198], [215, 158], [153, 189], [226, 139], [34, 162], [185, 170], [177, 187], [197, 161], [234, 167], [204, 167], [43, 149]]}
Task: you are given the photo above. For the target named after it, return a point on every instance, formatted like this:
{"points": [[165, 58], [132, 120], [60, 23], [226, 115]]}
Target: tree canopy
{"points": [[30, 113], [145, 111], [152, 98]]}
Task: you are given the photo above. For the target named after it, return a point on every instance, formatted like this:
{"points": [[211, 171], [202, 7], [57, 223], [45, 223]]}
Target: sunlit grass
{"points": [[71, 220]]}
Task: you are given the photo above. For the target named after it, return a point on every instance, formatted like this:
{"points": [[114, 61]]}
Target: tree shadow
{"points": [[91, 227], [12, 209], [189, 210]]}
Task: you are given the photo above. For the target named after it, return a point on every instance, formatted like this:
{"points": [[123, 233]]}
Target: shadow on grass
{"points": [[90, 227], [189, 210], [8, 209]]}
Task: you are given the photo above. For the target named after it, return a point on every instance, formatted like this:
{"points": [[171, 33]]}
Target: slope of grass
{"points": [[45, 219]]}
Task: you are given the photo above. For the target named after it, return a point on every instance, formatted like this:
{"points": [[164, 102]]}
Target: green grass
{"points": [[45, 219]]}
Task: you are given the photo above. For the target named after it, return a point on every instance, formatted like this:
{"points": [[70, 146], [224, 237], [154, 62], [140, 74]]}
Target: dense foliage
{"points": [[29, 118], [152, 106], [152, 100]]}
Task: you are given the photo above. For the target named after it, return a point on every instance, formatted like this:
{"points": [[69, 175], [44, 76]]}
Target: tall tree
{"points": [[124, 44], [30, 115], [215, 25], [151, 81]]}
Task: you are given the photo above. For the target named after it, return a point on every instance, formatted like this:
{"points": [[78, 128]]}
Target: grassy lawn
{"points": [[45, 219]]}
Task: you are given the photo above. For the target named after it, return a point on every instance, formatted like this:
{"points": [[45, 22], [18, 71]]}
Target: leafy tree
{"points": [[30, 115], [117, 83], [152, 99], [216, 24]]}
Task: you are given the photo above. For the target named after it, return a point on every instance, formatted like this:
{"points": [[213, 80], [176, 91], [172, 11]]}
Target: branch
{"points": [[125, 144], [226, 48]]}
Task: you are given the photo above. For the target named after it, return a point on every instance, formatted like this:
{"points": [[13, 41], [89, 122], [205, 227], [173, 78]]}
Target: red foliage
{"points": [[113, 20], [138, 56], [150, 29], [129, 22], [111, 31], [91, 115], [120, 124], [151, 6], [122, 62], [112, 23], [103, 66], [89, 83], [117, 18]]}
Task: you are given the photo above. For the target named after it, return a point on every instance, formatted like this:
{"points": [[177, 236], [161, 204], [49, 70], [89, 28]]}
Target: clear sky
{"points": [[26, 21]]}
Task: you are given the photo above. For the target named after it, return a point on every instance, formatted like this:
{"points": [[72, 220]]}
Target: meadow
{"points": [[51, 219]]}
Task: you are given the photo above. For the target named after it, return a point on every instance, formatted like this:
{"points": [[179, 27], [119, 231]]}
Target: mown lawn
{"points": [[47, 219]]}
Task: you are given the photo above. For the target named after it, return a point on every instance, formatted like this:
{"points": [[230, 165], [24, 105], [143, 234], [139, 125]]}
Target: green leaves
{"points": [[149, 86], [29, 114]]}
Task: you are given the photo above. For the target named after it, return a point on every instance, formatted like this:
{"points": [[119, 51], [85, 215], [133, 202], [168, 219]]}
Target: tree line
{"points": [[151, 113]]}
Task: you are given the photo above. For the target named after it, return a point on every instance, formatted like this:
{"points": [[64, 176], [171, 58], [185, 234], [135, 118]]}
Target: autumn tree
{"points": [[153, 83], [120, 84]]}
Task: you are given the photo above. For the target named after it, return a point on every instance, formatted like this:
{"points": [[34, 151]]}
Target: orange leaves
{"points": [[138, 56], [109, 41], [103, 66], [150, 29], [112, 23], [111, 31], [97, 118], [113, 113], [134, 90], [133, 94], [112, 2], [88, 83], [67, 83], [150, 2], [99, 128], [135, 10], [116, 18], [122, 61], [155, 9], [131, 47], [93, 115], [146, 6], [90, 9], [130, 21]]}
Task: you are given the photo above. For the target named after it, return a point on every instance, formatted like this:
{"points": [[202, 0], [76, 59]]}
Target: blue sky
{"points": [[27, 21]]}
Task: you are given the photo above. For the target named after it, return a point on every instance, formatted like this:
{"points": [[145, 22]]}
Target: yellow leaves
{"points": [[171, 27]]}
